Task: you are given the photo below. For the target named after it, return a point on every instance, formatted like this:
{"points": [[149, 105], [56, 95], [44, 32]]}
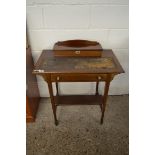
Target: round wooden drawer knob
{"points": [[77, 52], [99, 77], [58, 78]]}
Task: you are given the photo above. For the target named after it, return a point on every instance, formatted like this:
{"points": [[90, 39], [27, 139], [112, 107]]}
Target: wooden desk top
{"points": [[108, 63]]}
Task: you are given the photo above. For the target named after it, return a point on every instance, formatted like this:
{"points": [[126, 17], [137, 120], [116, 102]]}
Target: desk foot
{"points": [[101, 122], [56, 122]]}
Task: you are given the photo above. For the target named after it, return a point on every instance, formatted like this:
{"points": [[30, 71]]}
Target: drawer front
{"points": [[79, 78], [78, 53]]}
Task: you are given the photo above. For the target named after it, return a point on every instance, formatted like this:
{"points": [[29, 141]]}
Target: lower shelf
{"points": [[78, 100]]}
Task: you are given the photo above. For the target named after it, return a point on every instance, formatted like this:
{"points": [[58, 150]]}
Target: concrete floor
{"points": [[79, 131]]}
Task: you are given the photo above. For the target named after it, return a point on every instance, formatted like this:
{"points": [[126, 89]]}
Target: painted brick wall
{"points": [[105, 21]]}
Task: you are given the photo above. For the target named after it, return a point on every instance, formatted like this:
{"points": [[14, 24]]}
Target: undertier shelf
{"points": [[78, 100]]}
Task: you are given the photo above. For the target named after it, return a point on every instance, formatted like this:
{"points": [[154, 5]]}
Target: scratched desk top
{"points": [[108, 63]]}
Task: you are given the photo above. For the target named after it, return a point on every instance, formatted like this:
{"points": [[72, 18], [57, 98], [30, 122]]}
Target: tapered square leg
{"points": [[105, 96], [52, 102], [97, 83], [57, 88]]}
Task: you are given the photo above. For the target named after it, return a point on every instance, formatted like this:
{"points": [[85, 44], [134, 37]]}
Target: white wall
{"points": [[105, 21]]}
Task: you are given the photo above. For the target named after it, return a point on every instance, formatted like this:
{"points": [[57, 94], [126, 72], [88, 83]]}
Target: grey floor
{"points": [[79, 131]]}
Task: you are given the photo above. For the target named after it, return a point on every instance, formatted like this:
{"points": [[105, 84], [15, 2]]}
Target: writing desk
{"points": [[78, 69]]}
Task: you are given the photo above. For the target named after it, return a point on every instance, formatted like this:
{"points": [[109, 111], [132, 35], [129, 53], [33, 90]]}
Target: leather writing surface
{"points": [[78, 63]]}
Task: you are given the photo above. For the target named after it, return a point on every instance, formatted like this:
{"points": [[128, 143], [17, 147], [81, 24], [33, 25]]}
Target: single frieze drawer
{"points": [[79, 78]]}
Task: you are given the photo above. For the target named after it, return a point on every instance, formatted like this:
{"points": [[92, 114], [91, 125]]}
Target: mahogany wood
{"points": [[97, 83], [106, 89], [61, 66], [81, 69], [57, 88], [52, 102], [77, 53], [78, 100], [78, 77], [77, 48]]}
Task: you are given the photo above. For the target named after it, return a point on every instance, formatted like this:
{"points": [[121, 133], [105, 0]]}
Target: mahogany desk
{"points": [[78, 69]]}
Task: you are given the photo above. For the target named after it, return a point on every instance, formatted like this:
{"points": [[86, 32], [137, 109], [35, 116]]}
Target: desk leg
{"points": [[106, 89], [57, 88], [97, 87], [52, 102], [97, 83]]}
